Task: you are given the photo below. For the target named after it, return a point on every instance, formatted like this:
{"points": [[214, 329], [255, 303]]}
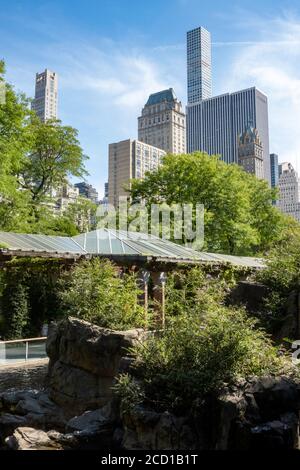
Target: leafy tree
{"points": [[54, 154], [82, 213], [239, 216], [36, 159]]}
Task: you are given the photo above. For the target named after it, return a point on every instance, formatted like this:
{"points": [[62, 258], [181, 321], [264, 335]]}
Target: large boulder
{"points": [[84, 361], [25, 438]]}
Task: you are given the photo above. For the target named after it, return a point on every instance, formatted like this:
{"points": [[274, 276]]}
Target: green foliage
{"points": [[94, 291], [205, 345], [28, 296], [187, 288], [37, 157], [281, 276], [130, 391], [16, 302], [198, 353], [239, 216], [54, 153]]}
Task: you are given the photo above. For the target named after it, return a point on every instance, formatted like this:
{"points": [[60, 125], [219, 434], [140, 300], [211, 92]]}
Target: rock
{"points": [[25, 438], [89, 347], [274, 396], [78, 390], [147, 429], [9, 422], [91, 421], [30, 408], [231, 407], [278, 434], [84, 361]]}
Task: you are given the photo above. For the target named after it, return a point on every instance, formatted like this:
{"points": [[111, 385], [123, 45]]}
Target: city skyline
{"points": [[104, 103]]}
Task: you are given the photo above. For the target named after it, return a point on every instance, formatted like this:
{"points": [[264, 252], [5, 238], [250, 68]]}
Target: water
{"points": [[24, 376]]}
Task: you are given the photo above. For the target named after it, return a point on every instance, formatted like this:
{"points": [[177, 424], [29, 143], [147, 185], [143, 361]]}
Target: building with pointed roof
{"points": [[250, 152], [162, 122]]}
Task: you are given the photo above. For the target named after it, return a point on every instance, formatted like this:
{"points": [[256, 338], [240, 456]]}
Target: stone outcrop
{"points": [[84, 361], [29, 408], [79, 410], [262, 413]]}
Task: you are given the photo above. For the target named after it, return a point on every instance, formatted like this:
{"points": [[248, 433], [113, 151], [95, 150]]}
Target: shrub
{"points": [[185, 289], [94, 291], [281, 276], [197, 354]]}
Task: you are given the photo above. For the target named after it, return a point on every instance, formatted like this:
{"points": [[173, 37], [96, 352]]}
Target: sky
{"points": [[111, 54]]}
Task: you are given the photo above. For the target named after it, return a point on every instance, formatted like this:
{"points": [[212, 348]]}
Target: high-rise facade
{"points": [[87, 190], [274, 169], [250, 152], [288, 185], [45, 102], [163, 123], [129, 159], [215, 124], [199, 79]]}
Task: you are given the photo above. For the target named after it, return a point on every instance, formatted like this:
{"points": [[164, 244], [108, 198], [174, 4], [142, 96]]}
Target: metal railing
{"points": [[22, 350]]}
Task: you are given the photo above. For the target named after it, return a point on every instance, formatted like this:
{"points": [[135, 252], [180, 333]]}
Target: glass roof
{"points": [[118, 243]]}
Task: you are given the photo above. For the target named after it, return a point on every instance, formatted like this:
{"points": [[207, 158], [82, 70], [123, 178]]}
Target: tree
{"points": [[54, 154], [239, 216], [36, 159], [14, 116]]}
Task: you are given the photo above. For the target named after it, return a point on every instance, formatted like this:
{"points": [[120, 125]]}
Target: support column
{"points": [[159, 296]]}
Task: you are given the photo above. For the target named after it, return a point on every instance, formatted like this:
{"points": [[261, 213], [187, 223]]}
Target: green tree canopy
{"points": [[36, 159], [239, 216]]}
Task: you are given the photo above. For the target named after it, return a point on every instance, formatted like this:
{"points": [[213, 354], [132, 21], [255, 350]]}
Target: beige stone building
{"points": [[129, 159], [250, 152], [46, 95], [163, 122]]}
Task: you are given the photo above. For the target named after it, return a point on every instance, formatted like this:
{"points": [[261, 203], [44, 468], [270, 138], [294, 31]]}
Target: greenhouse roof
{"points": [[119, 245]]}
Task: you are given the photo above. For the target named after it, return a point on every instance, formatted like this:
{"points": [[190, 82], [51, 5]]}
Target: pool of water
{"points": [[24, 376]]}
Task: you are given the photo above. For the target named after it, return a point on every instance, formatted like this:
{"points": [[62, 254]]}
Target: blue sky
{"points": [[111, 54]]}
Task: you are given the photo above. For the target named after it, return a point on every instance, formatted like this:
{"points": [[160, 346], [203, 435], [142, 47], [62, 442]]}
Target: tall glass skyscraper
{"points": [[199, 65], [214, 125], [274, 169]]}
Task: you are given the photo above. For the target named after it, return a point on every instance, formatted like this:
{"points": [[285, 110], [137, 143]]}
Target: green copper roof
{"points": [[105, 242], [161, 97]]}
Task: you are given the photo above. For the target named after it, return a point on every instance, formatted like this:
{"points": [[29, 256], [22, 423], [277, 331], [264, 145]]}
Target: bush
{"points": [[94, 291], [185, 289], [197, 354], [281, 276]]}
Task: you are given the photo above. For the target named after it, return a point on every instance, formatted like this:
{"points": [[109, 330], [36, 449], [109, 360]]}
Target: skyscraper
{"points": [[288, 184], [250, 152], [87, 190], [162, 123], [199, 65], [274, 170], [215, 124], [46, 95], [129, 159]]}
